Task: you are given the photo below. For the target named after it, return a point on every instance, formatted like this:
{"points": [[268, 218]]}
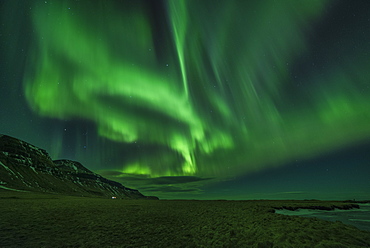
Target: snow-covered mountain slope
{"points": [[24, 167]]}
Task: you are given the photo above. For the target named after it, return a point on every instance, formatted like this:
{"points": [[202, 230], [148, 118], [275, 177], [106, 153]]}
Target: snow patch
{"points": [[29, 160], [34, 170], [3, 187], [7, 168], [78, 181], [20, 161]]}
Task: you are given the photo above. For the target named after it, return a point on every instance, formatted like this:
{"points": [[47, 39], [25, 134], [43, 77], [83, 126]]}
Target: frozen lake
{"points": [[359, 218]]}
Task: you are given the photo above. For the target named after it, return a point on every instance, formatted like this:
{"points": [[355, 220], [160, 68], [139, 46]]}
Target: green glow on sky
{"points": [[220, 100]]}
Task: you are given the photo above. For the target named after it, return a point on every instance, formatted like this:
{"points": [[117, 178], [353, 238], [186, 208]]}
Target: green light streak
{"points": [[179, 26], [230, 102]]}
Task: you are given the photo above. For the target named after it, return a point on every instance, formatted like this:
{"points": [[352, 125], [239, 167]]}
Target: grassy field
{"points": [[41, 220]]}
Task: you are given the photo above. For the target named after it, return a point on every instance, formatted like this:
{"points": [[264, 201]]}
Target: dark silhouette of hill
{"points": [[24, 167]]}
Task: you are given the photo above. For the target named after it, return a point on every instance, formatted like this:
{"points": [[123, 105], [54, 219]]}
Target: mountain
{"points": [[24, 167]]}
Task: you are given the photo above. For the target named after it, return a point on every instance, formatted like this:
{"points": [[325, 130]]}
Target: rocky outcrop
{"points": [[24, 167]]}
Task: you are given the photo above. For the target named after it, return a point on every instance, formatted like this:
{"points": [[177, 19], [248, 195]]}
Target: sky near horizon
{"points": [[195, 99]]}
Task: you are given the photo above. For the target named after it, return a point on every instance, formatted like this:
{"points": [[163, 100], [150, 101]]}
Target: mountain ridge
{"points": [[25, 167]]}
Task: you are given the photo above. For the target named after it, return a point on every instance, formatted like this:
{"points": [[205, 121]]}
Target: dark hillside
{"points": [[24, 167]]}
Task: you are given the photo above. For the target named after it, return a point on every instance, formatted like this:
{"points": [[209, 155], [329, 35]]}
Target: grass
{"points": [[42, 220]]}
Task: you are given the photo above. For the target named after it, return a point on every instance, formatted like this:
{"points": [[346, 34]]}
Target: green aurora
{"points": [[207, 88]]}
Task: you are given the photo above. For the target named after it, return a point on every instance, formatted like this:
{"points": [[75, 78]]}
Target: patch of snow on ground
{"points": [[3, 187], [7, 168], [78, 181], [29, 160], [115, 191], [34, 170], [21, 161]]}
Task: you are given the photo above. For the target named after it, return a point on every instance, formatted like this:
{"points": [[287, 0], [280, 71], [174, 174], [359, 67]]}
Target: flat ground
{"points": [[37, 220]]}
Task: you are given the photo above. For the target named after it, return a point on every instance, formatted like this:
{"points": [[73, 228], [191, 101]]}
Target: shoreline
{"points": [[44, 220]]}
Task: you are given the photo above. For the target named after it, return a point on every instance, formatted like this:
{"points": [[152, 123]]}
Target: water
{"points": [[359, 218]]}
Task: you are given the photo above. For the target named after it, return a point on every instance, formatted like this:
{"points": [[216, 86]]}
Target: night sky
{"points": [[195, 99]]}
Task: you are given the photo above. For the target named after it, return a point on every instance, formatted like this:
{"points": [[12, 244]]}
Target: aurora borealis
{"points": [[182, 98]]}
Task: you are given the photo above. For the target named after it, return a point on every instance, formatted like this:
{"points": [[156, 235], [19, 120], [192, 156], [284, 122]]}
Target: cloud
{"points": [[126, 176], [109, 173], [177, 180], [292, 192], [281, 193], [145, 179], [166, 189]]}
